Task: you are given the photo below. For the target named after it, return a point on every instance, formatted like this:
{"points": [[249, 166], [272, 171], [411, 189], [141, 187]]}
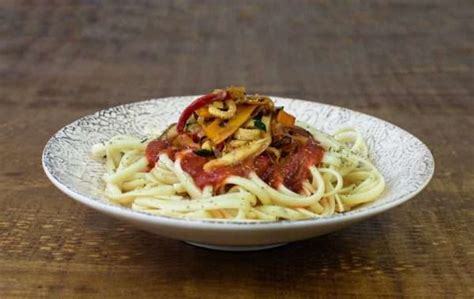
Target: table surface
{"points": [[409, 62]]}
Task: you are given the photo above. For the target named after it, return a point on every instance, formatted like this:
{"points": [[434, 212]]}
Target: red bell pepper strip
{"points": [[196, 104]]}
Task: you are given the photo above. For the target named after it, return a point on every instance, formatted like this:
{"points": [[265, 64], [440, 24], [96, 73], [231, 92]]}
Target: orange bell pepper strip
{"points": [[285, 118], [219, 132], [204, 112]]}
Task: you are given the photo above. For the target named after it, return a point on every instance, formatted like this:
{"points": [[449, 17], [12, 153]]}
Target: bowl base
{"points": [[236, 248]]}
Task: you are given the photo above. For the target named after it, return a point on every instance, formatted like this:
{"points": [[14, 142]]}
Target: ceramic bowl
{"points": [[405, 162]]}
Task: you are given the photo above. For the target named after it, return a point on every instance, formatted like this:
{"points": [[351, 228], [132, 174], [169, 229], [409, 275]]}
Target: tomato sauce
{"points": [[157, 147], [295, 169], [291, 172], [193, 164]]}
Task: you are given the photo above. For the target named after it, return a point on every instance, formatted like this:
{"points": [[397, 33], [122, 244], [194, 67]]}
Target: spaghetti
{"points": [[238, 157]]}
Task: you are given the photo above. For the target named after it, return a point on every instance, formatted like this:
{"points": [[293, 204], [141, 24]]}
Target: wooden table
{"points": [[409, 62]]}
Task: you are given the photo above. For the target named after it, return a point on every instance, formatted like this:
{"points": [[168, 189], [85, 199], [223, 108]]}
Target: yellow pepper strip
{"points": [[203, 112], [251, 149], [218, 133]]}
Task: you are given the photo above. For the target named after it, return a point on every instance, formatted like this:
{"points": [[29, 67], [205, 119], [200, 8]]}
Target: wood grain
{"points": [[409, 62]]}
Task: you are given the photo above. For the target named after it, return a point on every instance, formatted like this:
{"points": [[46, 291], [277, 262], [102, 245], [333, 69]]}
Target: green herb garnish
{"points": [[204, 152], [258, 123]]}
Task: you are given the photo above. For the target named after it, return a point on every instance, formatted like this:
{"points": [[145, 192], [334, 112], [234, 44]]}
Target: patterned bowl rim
{"points": [[121, 212]]}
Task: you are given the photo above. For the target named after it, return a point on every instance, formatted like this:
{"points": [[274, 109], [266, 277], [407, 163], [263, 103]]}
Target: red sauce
{"points": [[193, 164], [291, 172], [157, 147], [295, 169]]}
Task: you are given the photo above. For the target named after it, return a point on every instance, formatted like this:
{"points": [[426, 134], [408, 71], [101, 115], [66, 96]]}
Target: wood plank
{"points": [[409, 62]]}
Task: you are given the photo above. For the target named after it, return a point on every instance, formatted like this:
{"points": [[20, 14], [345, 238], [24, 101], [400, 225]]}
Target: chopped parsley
{"points": [[260, 125]]}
